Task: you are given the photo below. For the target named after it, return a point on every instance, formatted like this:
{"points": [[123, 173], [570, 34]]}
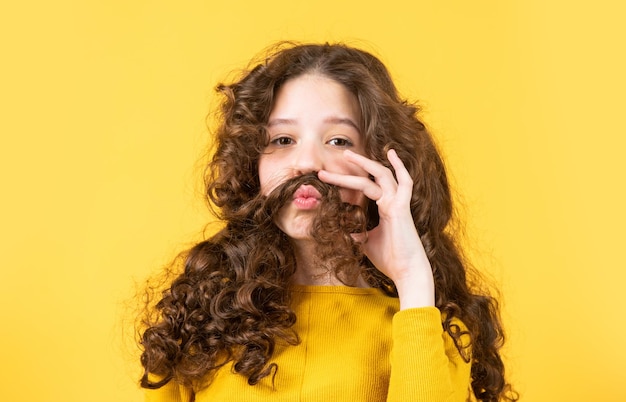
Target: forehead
{"points": [[313, 95]]}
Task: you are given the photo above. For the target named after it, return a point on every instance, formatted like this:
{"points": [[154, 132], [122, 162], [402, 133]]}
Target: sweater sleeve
{"points": [[425, 364]]}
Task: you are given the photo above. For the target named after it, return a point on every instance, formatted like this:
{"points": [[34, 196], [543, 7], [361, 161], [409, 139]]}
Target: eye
{"points": [[340, 142], [281, 141]]}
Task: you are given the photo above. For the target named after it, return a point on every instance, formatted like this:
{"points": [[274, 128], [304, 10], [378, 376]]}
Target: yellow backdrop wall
{"points": [[103, 106]]}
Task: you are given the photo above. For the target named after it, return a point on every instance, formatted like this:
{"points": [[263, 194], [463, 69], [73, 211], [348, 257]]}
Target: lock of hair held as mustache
{"points": [[331, 227]]}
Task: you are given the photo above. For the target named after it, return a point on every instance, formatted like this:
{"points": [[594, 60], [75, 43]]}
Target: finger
{"points": [[398, 166], [382, 175], [405, 182], [360, 183], [369, 165]]}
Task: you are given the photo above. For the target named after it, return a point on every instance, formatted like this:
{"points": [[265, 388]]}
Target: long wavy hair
{"points": [[232, 301]]}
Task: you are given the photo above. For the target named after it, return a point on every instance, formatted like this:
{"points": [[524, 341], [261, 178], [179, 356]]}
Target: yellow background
{"points": [[102, 121]]}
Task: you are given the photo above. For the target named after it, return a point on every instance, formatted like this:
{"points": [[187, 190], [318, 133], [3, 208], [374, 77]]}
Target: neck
{"points": [[311, 271]]}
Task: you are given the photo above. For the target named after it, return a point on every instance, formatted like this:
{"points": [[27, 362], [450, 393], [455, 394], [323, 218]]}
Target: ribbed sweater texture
{"points": [[355, 346]]}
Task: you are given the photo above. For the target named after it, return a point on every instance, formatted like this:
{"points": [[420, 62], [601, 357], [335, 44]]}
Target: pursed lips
{"points": [[306, 197]]}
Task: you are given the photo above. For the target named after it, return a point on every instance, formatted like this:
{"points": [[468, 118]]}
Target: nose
{"points": [[308, 158]]}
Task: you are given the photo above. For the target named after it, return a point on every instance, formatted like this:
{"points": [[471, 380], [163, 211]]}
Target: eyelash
{"points": [[346, 142], [278, 141]]}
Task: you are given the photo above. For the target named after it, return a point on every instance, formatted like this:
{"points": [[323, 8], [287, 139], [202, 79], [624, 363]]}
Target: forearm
{"points": [[425, 365]]}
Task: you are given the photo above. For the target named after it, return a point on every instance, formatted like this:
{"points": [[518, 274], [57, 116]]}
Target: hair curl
{"points": [[231, 303]]}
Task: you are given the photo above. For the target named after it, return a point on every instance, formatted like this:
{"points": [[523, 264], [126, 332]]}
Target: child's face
{"points": [[314, 119]]}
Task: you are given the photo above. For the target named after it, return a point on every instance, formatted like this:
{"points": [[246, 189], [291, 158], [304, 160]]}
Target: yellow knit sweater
{"points": [[355, 346]]}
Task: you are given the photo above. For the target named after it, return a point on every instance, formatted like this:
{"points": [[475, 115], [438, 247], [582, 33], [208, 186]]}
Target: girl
{"points": [[336, 276]]}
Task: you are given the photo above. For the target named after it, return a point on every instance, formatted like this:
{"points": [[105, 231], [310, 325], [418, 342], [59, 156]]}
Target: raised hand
{"points": [[394, 246]]}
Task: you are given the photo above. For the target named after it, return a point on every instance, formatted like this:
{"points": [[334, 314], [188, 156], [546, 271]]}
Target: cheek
{"points": [[265, 179], [271, 174]]}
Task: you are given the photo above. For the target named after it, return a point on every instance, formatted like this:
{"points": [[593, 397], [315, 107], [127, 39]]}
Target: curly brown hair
{"points": [[231, 303]]}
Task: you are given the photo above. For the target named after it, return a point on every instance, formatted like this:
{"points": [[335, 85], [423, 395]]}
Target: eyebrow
{"points": [[341, 120], [328, 120], [276, 122]]}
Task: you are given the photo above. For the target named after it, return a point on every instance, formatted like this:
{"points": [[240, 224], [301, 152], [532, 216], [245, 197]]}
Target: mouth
{"points": [[306, 197]]}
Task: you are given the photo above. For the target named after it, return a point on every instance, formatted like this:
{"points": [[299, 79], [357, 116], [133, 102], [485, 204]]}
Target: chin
{"points": [[296, 227], [297, 233]]}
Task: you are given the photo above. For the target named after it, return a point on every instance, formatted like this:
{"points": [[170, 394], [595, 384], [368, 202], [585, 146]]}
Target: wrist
{"points": [[416, 291]]}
